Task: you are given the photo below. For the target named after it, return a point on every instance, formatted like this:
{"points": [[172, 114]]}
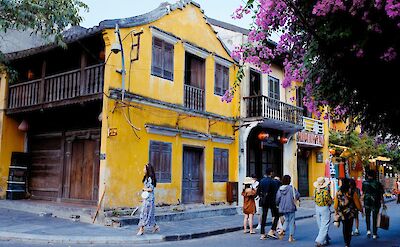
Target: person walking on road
{"points": [[285, 199], [397, 190], [249, 204], [147, 217], [373, 199], [346, 204], [353, 186], [323, 201], [267, 191]]}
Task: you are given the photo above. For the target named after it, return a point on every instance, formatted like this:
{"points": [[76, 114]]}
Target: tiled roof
{"points": [[77, 33]]}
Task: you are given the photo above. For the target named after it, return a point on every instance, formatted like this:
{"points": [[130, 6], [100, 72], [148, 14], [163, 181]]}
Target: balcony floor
{"points": [[286, 127]]}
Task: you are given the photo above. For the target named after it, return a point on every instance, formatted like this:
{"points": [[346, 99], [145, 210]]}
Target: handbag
{"points": [[296, 202], [145, 194], [383, 219]]}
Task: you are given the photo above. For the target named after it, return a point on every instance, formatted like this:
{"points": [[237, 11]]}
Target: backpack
{"points": [[346, 206]]}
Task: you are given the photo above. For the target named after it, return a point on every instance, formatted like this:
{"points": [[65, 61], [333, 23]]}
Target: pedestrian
{"points": [[285, 199], [257, 200], [346, 204], [373, 199], [353, 186], [147, 218], [323, 201], [267, 192], [281, 221], [397, 190], [249, 204]]}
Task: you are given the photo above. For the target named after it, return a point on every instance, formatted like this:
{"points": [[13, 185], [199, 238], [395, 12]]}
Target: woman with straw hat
{"points": [[323, 201]]}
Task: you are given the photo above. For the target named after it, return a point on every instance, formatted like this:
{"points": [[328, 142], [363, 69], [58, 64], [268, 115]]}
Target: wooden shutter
{"points": [[157, 58], [218, 80], [221, 168], [160, 158], [168, 61], [225, 81], [273, 88]]}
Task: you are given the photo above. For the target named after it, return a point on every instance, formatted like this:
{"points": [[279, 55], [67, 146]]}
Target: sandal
{"points": [[156, 229], [245, 231], [252, 232]]}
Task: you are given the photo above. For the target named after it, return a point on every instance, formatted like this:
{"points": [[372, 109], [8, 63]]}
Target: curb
{"points": [[154, 238]]}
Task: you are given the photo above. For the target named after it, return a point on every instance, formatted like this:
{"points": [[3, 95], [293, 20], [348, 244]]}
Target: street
{"points": [[305, 234]]}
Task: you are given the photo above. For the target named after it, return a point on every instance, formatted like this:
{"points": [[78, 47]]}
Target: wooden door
{"points": [[82, 167], [192, 179], [302, 171], [45, 174]]}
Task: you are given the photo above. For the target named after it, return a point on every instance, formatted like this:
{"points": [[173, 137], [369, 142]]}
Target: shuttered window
{"points": [[162, 59], [160, 158], [273, 88], [221, 165], [221, 83]]}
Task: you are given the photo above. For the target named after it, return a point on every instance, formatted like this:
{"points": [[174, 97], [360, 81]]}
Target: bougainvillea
{"points": [[343, 53]]}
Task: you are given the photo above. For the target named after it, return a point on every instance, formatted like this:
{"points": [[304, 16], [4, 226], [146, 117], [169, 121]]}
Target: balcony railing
{"points": [[313, 125], [58, 87], [266, 107], [194, 98]]}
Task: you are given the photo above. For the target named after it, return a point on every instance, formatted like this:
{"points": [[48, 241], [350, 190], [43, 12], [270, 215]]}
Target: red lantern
{"points": [[263, 136], [332, 151], [283, 140]]}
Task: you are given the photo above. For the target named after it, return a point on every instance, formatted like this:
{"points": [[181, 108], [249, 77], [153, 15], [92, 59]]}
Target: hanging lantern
{"points": [[23, 126], [283, 140], [332, 151], [263, 136]]}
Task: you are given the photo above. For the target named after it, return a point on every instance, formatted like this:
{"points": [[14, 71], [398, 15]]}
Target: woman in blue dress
{"points": [[147, 218]]}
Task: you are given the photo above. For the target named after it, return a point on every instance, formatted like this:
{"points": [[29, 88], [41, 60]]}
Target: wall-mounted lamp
{"points": [[23, 126]]}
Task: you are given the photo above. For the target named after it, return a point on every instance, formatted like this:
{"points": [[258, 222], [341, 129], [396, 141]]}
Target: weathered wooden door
{"points": [[192, 179], [45, 174], [82, 167], [302, 171]]}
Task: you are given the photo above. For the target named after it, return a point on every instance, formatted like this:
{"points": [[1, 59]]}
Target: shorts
{"points": [[258, 207]]}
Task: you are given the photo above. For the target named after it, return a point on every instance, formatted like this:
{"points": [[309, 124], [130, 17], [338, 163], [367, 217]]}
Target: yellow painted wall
{"points": [[318, 169], [11, 139], [122, 170]]}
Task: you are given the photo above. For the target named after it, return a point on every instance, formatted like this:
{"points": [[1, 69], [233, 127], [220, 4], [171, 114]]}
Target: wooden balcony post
{"points": [[42, 83], [83, 76]]}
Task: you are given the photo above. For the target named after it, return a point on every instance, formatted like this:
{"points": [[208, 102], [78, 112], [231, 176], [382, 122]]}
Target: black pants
{"points": [[347, 228], [398, 198], [275, 214], [374, 219]]}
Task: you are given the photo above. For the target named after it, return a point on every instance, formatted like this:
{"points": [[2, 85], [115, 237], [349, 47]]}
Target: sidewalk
{"points": [[17, 225]]}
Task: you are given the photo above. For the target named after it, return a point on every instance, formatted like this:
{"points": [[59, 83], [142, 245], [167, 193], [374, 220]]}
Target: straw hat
{"points": [[321, 182], [248, 180]]}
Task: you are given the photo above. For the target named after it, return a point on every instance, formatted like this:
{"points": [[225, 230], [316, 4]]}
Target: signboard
{"points": [[320, 157], [310, 139]]}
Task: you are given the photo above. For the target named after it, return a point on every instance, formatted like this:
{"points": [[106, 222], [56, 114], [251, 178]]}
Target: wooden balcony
{"points": [[274, 113], [194, 98], [60, 89]]}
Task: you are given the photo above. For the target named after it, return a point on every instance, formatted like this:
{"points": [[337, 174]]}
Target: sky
{"points": [[111, 9]]}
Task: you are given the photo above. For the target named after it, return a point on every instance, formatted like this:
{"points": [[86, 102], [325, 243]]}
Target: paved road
{"points": [[305, 235]]}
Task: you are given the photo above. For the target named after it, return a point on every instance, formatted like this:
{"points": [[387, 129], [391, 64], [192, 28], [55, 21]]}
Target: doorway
{"points": [[192, 177], [302, 173]]}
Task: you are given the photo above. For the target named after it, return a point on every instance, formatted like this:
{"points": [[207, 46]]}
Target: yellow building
{"points": [[95, 120]]}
